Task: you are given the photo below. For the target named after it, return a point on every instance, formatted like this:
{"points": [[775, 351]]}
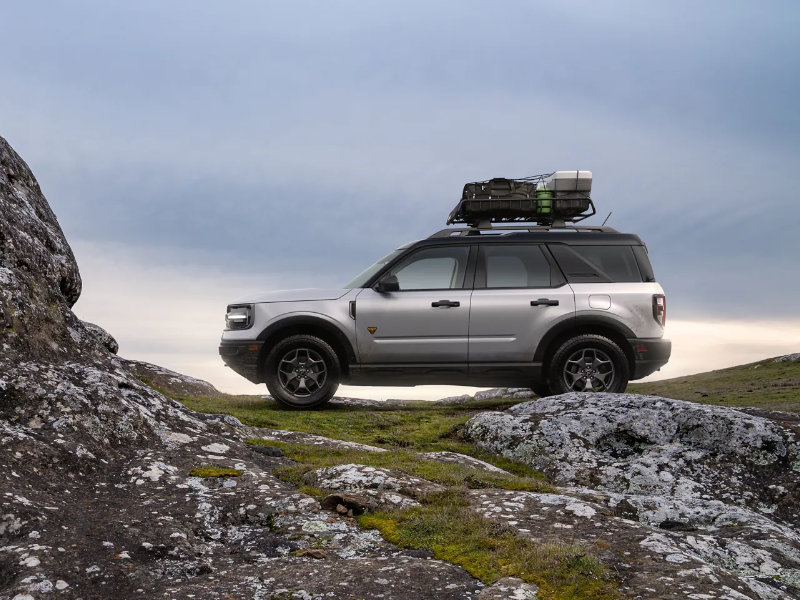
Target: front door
{"points": [[519, 294], [427, 320]]}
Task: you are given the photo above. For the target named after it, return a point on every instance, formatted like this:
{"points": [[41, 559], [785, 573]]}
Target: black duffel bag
{"points": [[500, 188]]}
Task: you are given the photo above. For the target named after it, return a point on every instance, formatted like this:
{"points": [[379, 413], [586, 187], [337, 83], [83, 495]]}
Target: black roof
{"points": [[573, 238]]}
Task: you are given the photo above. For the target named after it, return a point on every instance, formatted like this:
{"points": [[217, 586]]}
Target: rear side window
{"points": [[514, 266], [598, 263], [640, 252]]}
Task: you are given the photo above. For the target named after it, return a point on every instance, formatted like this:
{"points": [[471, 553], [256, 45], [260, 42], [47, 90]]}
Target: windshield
{"points": [[361, 279]]}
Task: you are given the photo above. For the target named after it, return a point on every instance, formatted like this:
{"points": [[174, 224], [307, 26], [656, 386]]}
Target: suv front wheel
{"points": [[302, 371], [588, 363]]}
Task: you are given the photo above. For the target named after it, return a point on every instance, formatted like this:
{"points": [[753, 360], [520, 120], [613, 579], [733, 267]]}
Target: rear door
{"points": [[519, 294], [427, 320]]}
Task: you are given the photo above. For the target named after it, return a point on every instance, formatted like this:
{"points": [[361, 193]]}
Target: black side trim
{"points": [[479, 374]]}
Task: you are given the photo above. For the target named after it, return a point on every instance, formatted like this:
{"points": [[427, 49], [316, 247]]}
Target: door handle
{"points": [[445, 304], [544, 302]]}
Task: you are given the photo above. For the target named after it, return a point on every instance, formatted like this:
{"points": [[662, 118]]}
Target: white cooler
{"points": [[570, 181]]}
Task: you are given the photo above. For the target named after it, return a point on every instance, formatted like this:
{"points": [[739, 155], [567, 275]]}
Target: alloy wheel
{"points": [[302, 371], [589, 370]]}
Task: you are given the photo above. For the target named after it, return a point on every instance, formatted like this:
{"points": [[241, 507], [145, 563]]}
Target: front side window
{"points": [[433, 269], [515, 266]]}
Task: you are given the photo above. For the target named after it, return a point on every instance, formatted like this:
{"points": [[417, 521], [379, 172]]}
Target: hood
{"points": [[302, 295]]}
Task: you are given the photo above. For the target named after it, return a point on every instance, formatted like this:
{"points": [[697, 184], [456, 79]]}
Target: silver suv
{"points": [[553, 308]]}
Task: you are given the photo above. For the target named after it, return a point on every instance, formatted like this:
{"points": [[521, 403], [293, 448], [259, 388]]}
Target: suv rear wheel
{"points": [[302, 371], [588, 363]]}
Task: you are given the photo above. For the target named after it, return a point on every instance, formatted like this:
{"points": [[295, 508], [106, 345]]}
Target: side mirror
{"points": [[388, 284]]}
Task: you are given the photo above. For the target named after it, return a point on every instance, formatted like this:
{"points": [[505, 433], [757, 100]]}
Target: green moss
{"points": [[214, 471], [488, 550]]}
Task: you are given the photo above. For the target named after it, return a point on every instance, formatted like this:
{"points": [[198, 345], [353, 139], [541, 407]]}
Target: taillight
{"points": [[660, 309]]}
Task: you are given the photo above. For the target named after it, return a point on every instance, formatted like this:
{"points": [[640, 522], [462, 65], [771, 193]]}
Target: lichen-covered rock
{"points": [[95, 487], [385, 488], [509, 588], [169, 382], [709, 551], [637, 444], [682, 500], [455, 458], [795, 357], [39, 278], [105, 338]]}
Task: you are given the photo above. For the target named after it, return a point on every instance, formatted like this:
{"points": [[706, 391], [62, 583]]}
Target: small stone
{"points": [[317, 553]]}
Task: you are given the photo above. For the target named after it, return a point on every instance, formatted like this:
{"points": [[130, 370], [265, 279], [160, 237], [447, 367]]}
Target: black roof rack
{"points": [[510, 229], [532, 199]]}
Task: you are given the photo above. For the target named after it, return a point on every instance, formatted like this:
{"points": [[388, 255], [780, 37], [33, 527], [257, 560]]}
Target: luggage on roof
{"points": [[548, 199]]}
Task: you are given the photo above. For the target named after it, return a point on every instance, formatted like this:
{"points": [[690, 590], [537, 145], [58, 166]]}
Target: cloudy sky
{"points": [[197, 150]]}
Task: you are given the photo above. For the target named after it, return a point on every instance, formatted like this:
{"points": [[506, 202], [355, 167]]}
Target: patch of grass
{"points": [[764, 384], [489, 550], [214, 471], [418, 426], [309, 457]]}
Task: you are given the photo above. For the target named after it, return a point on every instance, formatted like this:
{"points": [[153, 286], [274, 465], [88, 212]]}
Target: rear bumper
{"points": [[649, 355], [242, 357]]}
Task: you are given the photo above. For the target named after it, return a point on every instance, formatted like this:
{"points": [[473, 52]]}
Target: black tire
{"points": [[588, 363], [302, 371]]}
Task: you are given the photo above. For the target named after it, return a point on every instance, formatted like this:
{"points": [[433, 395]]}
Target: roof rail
{"points": [[506, 229]]}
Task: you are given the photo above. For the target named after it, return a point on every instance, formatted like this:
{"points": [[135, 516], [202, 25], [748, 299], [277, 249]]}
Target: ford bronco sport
{"points": [[551, 306]]}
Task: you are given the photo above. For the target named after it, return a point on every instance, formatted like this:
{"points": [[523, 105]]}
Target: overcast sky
{"points": [[197, 150]]}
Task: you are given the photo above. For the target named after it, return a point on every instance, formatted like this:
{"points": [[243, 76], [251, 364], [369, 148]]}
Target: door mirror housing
{"points": [[388, 284]]}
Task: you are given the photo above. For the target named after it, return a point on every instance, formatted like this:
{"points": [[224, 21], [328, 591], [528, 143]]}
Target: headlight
{"points": [[239, 316]]}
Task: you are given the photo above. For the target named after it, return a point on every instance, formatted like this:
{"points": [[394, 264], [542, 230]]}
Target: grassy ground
{"points": [[764, 384], [420, 426]]}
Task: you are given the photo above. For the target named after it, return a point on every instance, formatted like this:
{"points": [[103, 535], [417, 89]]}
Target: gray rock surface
{"points": [[679, 498], [169, 382], [105, 338], [788, 358], [96, 497]]}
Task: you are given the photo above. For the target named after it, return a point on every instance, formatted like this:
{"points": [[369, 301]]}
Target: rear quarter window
{"points": [[584, 264]]}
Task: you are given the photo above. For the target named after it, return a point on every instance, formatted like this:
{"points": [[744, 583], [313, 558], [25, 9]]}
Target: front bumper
{"points": [[649, 355], [242, 357]]}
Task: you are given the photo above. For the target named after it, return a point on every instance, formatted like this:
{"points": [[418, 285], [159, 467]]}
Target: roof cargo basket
{"points": [[551, 199]]}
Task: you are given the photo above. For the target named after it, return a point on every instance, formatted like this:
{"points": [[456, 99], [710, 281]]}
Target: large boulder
{"points": [[680, 499], [39, 278], [636, 444]]}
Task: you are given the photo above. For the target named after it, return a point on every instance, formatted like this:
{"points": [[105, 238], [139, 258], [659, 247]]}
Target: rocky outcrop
{"points": [[97, 499], [39, 279], [681, 498], [169, 382], [102, 336]]}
